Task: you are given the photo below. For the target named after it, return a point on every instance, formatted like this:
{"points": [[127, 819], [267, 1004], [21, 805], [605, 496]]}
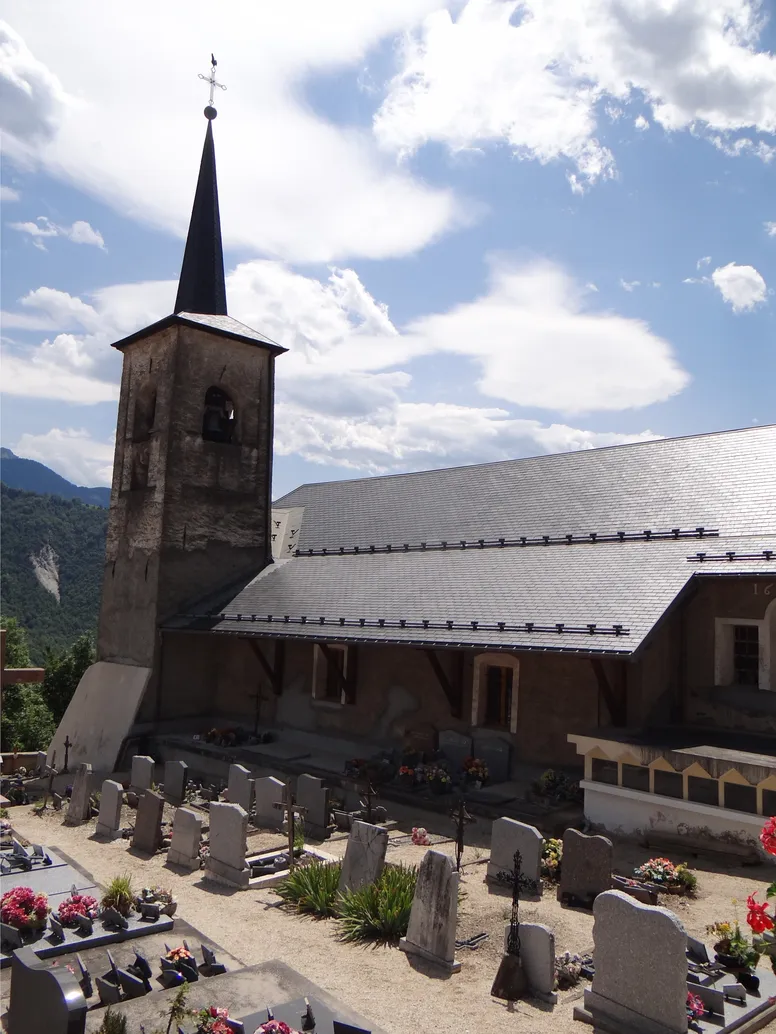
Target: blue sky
{"points": [[483, 230]]}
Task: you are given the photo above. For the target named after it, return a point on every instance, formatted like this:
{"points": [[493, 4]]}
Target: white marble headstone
{"points": [[111, 800], [434, 915]]}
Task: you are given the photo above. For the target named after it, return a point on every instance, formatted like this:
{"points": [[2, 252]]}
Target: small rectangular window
{"points": [[746, 655], [498, 696]]}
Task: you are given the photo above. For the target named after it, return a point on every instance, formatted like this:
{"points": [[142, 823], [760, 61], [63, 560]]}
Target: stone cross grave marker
{"points": [[176, 776], [111, 799], [587, 868], [313, 796], [434, 914], [364, 856], [268, 793], [80, 807], [142, 775], [240, 788], [292, 810], [148, 823], [508, 836], [228, 845], [640, 981], [186, 839]]}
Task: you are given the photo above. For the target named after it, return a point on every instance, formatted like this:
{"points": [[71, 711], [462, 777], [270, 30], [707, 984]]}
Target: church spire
{"points": [[202, 287]]}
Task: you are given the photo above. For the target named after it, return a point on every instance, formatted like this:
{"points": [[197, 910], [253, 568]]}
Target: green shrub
{"points": [[312, 888], [119, 895], [380, 910], [298, 834], [687, 879], [113, 1023]]}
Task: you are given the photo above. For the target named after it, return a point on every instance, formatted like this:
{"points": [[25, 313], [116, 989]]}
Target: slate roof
{"points": [[724, 482], [224, 325]]}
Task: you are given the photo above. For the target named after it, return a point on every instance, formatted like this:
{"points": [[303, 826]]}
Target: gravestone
{"points": [[496, 755], [537, 953], [40, 763], [364, 856], [268, 791], [228, 840], [142, 775], [176, 775], [640, 982], [434, 914], [111, 799], [312, 795], [80, 807], [508, 836], [186, 838], [148, 823], [44, 997], [586, 871], [240, 788], [455, 747]]}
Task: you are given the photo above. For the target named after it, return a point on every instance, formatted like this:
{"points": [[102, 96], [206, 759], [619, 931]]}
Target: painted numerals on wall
{"points": [[767, 590]]}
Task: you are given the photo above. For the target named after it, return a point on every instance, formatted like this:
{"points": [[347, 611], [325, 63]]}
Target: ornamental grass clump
{"points": [[119, 895], [312, 888], [379, 910]]}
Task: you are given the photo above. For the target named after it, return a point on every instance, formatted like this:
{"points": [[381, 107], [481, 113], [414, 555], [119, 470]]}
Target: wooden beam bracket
{"points": [[452, 688], [616, 702], [274, 672]]}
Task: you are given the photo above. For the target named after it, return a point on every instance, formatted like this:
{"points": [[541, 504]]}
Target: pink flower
{"points": [[768, 835], [757, 915], [695, 1006]]}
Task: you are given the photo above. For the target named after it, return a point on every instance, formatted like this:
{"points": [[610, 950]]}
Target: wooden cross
{"points": [[17, 676], [462, 817], [292, 809]]}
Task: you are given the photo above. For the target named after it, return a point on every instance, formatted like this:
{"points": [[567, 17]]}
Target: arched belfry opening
{"points": [[145, 412], [218, 419]]}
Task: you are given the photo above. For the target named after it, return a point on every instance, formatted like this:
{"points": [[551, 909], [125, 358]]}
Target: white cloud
{"points": [[629, 285], [291, 183], [535, 74], [703, 262], [79, 233], [32, 101], [8, 194], [345, 390], [742, 287], [640, 123], [73, 453], [770, 229]]}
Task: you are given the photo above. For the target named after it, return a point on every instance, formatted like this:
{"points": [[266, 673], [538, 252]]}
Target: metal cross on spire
{"points": [[212, 80]]}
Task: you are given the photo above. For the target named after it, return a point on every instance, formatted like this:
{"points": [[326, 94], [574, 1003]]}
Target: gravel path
{"points": [[380, 982]]}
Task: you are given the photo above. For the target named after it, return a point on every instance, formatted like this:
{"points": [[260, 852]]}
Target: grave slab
{"points": [[148, 823], [176, 774], [509, 835], [111, 799], [240, 788], [268, 792], [80, 809], [455, 747], [587, 868], [364, 856], [314, 796], [186, 838], [537, 953], [228, 845], [142, 775], [434, 914], [44, 999], [496, 753]]}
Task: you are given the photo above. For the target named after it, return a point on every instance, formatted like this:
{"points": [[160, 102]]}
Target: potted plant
{"points": [[211, 1020], [667, 877], [475, 772], [77, 905], [438, 779], [406, 777], [158, 895], [735, 952], [118, 894], [552, 855], [23, 909]]}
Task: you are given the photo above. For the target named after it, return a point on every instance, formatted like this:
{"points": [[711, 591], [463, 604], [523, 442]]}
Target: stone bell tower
{"points": [[192, 473]]}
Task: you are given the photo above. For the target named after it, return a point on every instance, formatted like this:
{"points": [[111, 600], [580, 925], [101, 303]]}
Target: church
{"points": [[616, 603]]}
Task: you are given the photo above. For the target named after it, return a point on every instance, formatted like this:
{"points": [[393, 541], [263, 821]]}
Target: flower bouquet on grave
{"points": [[763, 925], [211, 1020], [667, 877], [406, 777], [552, 856], [275, 1027], [420, 836], [77, 905], [475, 772], [23, 909], [438, 779], [735, 952], [168, 906], [695, 1007]]}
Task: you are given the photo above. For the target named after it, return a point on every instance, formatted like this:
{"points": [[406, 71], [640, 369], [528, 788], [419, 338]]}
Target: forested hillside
{"points": [[64, 541]]}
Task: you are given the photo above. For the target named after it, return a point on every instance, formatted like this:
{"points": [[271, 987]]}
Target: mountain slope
{"points": [[32, 476], [52, 557]]}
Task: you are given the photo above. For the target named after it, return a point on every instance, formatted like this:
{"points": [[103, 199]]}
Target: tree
{"points": [[17, 650], [27, 721], [63, 673]]}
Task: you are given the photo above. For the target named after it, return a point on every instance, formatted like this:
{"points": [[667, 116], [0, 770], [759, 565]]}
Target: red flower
{"points": [[768, 835], [757, 915], [695, 1006]]}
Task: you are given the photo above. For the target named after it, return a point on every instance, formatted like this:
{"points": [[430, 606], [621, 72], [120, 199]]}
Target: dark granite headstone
{"points": [[10, 937], [112, 918], [57, 932], [148, 824], [84, 923], [44, 999], [109, 992]]}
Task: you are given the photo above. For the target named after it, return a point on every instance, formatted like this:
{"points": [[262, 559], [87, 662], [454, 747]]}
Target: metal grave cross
{"points": [[292, 809], [462, 818], [511, 982], [366, 802], [212, 79]]}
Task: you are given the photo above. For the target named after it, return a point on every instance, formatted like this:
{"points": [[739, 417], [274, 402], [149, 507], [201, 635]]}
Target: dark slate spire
{"points": [[202, 287]]}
